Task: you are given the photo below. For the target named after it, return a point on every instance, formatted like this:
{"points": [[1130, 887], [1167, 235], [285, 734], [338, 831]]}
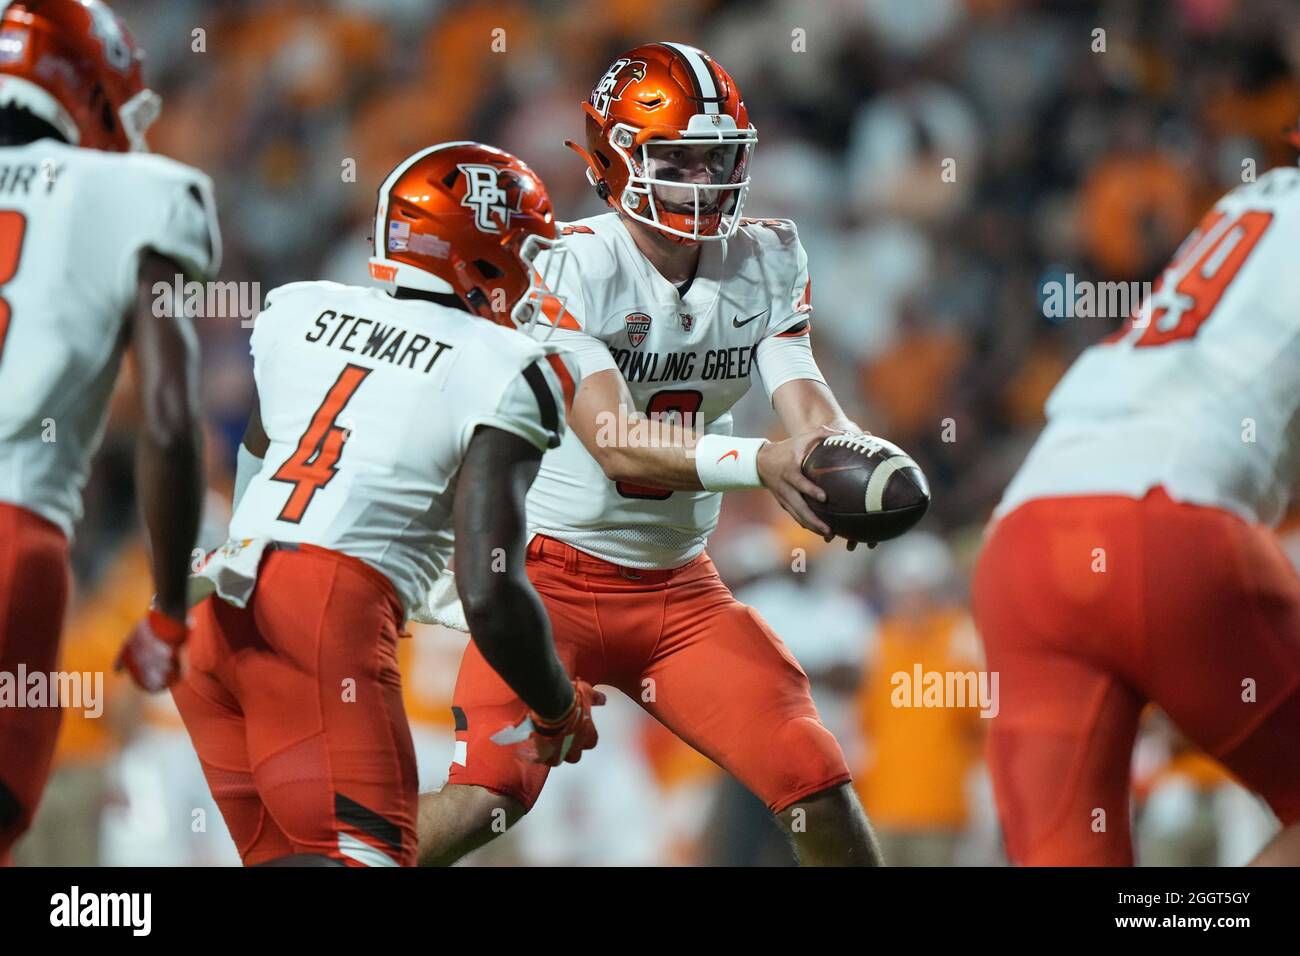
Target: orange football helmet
{"points": [[73, 64], [471, 220], [662, 94]]}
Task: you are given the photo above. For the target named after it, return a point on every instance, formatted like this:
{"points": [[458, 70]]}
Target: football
{"points": [[874, 490]]}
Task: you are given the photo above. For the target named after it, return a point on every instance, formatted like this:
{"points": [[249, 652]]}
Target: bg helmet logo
{"points": [[487, 196], [612, 85], [108, 29]]}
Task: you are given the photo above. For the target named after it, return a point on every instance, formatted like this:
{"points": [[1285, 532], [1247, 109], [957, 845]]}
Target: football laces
{"points": [[862, 444]]}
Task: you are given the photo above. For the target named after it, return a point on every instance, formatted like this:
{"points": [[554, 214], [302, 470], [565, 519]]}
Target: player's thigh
{"points": [[1060, 746], [484, 704], [216, 726], [328, 739], [725, 683], [1225, 662], [33, 596]]}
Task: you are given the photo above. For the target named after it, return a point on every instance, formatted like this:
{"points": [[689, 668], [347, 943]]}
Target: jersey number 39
{"points": [[13, 226]]}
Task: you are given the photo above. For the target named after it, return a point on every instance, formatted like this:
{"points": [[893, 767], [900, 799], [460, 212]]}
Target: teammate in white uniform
{"points": [[384, 421], [676, 304], [1208, 409], [1131, 559], [695, 352], [87, 228]]}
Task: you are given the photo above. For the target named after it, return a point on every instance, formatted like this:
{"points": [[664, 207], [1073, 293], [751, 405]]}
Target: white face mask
{"points": [[137, 115], [694, 166], [545, 260], [690, 177]]}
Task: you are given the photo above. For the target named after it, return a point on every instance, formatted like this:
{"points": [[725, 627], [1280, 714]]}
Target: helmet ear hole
{"points": [[487, 270], [99, 99]]}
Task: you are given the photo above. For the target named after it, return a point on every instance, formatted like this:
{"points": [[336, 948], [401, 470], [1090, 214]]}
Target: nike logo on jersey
{"points": [[734, 453], [736, 323]]}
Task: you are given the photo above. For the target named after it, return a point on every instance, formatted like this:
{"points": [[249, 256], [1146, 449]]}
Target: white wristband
{"points": [[726, 463]]}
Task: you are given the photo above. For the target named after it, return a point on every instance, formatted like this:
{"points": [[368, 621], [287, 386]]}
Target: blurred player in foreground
{"points": [[1131, 560], [677, 301], [88, 225], [384, 423]]}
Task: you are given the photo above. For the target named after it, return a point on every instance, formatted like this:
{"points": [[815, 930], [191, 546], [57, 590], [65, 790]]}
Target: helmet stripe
{"points": [[705, 85]]}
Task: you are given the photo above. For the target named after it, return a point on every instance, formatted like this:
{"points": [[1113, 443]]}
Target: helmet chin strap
{"points": [[593, 169], [474, 299]]}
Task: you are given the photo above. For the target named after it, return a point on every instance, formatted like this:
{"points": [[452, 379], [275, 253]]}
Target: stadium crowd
{"points": [[944, 160]]}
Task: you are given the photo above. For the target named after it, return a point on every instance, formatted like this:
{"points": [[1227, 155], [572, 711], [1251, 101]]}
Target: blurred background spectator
{"points": [[942, 158]]}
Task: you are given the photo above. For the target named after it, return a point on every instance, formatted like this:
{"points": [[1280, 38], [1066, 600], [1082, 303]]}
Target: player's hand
{"points": [[152, 652], [561, 740], [780, 467], [849, 543]]}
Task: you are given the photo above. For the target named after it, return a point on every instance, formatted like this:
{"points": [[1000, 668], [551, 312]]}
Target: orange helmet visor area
{"points": [[667, 93]]}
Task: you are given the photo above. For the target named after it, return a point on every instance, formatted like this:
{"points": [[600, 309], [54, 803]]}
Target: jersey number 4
{"points": [[13, 226], [315, 461]]}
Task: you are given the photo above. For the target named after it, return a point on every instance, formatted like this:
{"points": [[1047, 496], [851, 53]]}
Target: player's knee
{"points": [[460, 818], [492, 813], [807, 755]]}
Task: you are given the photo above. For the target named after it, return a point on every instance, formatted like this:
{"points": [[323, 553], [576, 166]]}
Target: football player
{"points": [[89, 223], [385, 425], [678, 303], [1131, 558]]}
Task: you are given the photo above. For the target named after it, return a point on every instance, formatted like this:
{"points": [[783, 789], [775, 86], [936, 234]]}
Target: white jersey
{"points": [[73, 224], [1202, 397], [693, 353], [370, 403]]}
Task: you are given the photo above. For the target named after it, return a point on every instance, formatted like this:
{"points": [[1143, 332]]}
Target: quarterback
{"points": [[1131, 559], [89, 223], [385, 425], [676, 304]]}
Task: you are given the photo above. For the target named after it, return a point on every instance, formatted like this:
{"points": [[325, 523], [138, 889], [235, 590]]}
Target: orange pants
{"points": [[1092, 606], [678, 643], [294, 705], [33, 597]]}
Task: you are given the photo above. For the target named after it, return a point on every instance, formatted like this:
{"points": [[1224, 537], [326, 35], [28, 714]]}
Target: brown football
{"points": [[874, 490]]}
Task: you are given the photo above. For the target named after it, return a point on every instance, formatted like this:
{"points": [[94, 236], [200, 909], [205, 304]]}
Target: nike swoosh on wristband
{"points": [[734, 453], [736, 323]]}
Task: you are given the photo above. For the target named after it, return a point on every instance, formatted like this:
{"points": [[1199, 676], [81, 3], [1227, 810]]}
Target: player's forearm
{"points": [[509, 625], [169, 477], [505, 616], [248, 457], [805, 405], [670, 467]]}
